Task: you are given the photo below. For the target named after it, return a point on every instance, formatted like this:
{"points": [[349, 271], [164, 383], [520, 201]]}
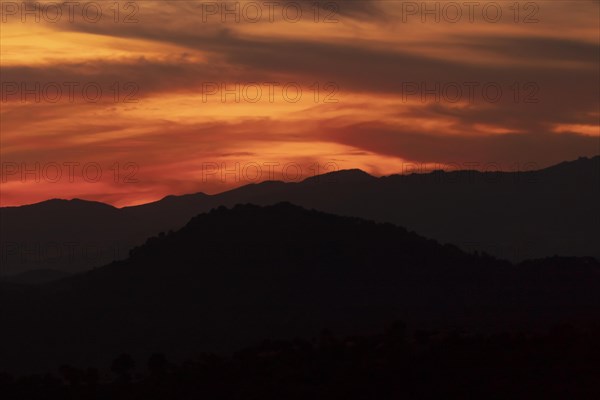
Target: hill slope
{"points": [[232, 277]]}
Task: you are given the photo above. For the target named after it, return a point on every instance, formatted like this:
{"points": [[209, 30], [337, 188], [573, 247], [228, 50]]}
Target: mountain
{"points": [[232, 277], [66, 235], [513, 215]]}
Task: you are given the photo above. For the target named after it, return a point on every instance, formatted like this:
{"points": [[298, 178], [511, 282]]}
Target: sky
{"points": [[127, 102]]}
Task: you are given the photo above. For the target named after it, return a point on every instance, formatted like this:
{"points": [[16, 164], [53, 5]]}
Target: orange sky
{"points": [[376, 85]]}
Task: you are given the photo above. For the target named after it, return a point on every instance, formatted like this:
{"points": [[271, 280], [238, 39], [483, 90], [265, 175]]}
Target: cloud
{"points": [[395, 89], [543, 149]]}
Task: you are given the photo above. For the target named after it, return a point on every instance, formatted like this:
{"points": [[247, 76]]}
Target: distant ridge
{"points": [[582, 164], [513, 215], [343, 176], [58, 203]]}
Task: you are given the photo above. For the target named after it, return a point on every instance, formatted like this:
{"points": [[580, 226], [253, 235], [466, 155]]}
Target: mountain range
{"points": [[512, 215]]}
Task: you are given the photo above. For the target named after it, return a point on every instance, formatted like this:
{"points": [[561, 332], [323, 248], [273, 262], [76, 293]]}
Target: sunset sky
{"points": [[376, 85]]}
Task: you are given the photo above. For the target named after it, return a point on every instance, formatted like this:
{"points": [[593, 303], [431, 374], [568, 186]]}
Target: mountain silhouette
{"points": [[232, 277], [512, 215]]}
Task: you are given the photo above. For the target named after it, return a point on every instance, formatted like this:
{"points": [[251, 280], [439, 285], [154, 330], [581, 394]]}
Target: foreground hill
{"points": [[512, 215], [232, 277]]}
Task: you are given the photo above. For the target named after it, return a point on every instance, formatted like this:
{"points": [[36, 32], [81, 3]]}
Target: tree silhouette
{"points": [[157, 365], [122, 366]]}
